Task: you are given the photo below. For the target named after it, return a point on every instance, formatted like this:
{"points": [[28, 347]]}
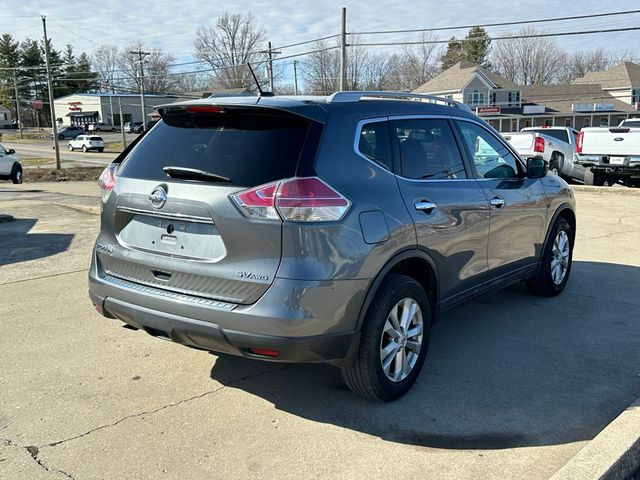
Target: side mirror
{"points": [[536, 167], [11, 151]]}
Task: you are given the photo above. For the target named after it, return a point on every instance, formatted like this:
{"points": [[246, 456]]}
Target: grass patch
{"points": [[15, 137], [71, 174], [35, 161], [115, 147]]}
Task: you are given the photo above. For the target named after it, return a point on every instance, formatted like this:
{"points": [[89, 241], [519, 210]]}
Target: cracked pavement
{"points": [[514, 385]]}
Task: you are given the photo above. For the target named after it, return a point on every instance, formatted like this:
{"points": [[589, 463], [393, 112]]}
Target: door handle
{"points": [[425, 206], [497, 202]]}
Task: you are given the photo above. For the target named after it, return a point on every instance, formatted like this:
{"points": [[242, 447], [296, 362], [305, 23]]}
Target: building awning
{"points": [[81, 114]]}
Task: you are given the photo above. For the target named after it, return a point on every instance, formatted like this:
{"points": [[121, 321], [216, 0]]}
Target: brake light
{"points": [[298, 200], [579, 141], [204, 109], [107, 180], [538, 145]]}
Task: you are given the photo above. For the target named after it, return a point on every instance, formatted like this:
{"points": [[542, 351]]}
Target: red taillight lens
{"points": [[538, 145], [298, 200], [265, 352], [579, 142], [203, 109], [107, 180]]}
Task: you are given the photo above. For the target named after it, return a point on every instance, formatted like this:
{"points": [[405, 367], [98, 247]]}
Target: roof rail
{"points": [[340, 97]]}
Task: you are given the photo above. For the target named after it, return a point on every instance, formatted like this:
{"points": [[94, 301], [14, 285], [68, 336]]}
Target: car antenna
{"points": [[255, 79]]}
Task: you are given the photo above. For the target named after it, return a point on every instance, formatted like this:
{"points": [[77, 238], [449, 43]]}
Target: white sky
{"points": [[171, 25]]}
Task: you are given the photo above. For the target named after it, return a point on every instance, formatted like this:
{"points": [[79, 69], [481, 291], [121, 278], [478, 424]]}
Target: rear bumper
{"points": [[305, 321], [630, 165]]}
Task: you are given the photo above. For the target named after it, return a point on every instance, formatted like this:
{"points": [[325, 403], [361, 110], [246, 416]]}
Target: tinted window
{"points": [[428, 149], [374, 143], [250, 147], [490, 157], [557, 134]]}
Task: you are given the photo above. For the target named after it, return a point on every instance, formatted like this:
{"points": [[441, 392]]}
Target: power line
{"points": [[499, 24]]}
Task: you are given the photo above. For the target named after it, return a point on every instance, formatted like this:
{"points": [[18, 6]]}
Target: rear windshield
{"points": [[557, 134], [249, 147], [95, 138]]}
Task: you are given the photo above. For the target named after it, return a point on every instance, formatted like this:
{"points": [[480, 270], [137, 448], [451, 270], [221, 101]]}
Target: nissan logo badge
{"points": [[158, 197], [618, 139]]}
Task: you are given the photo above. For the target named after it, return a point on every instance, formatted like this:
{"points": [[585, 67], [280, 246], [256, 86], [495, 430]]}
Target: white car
{"points": [[10, 168], [86, 143], [102, 127]]}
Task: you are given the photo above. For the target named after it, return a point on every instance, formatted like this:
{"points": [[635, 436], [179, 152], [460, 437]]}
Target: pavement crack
{"points": [[164, 407], [35, 454]]}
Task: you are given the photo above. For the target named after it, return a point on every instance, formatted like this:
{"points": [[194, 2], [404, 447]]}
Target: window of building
{"points": [[475, 98], [428, 149], [3, 116], [586, 122], [493, 98], [514, 99], [548, 123], [635, 96], [567, 122]]}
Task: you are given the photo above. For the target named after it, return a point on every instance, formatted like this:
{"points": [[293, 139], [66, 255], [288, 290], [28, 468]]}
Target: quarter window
{"points": [[374, 144], [490, 157], [428, 149]]}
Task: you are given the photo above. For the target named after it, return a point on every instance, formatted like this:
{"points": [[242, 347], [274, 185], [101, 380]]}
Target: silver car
{"points": [[323, 229]]}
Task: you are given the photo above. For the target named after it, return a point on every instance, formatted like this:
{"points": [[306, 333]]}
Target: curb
{"points": [[614, 454], [616, 190]]}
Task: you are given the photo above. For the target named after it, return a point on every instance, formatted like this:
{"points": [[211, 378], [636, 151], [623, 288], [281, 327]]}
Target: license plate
{"points": [[616, 160]]}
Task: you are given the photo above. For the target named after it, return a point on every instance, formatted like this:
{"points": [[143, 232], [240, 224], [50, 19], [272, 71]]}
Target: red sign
{"points": [[487, 110], [36, 104], [75, 106]]}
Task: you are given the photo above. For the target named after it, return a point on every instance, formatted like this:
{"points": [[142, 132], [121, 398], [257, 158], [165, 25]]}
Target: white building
{"points": [[85, 108], [5, 116]]}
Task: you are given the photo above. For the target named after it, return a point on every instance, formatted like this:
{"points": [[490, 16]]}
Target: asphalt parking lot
{"points": [[514, 385]]}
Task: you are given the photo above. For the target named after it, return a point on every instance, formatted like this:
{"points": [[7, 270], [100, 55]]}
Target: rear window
{"points": [[95, 138], [250, 147]]}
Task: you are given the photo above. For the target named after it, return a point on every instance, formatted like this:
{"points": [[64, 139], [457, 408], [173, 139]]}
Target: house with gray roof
{"points": [[510, 107]]}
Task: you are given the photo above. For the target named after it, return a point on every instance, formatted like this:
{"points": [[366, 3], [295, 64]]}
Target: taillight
{"points": [[579, 142], [298, 200], [107, 180], [538, 145]]}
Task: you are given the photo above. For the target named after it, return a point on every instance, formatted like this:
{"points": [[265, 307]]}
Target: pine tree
{"points": [[453, 54], [476, 47], [9, 59]]}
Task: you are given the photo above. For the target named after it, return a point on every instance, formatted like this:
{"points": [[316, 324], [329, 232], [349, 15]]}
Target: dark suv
{"points": [[313, 229]]}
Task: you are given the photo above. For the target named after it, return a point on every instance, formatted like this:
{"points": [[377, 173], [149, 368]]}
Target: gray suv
{"points": [[322, 229]]}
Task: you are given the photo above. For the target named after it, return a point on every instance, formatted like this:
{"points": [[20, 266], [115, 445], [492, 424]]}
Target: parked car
{"points": [[336, 228], [71, 131], [86, 143], [557, 145], [131, 127], [102, 127], [138, 128], [611, 154], [10, 168]]}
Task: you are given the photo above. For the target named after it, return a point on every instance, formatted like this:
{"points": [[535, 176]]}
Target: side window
{"points": [[491, 158], [428, 149], [374, 144]]}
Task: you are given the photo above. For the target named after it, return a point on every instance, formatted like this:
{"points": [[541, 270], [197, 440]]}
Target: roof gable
{"points": [[623, 75], [459, 75]]}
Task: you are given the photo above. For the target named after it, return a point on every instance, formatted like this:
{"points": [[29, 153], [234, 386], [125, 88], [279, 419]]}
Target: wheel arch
{"points": [[566, 211]]}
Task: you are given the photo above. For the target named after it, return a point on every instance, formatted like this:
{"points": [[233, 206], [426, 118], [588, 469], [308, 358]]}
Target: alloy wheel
{"points": [[560, 257]]}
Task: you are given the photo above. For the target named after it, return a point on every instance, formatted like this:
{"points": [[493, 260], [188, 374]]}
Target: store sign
{"points": [[487, 110], [591, 107], [36, 104], [533, 109], [75, 106]]}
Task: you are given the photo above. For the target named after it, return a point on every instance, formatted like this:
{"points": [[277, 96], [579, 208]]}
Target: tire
{"points": [[548, 282], [16, 175], [84, 148], [60, 137], [556, 164], [101, 150], [367, 376], [71, 149]]}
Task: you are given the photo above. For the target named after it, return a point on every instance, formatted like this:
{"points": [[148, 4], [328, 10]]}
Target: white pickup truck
{"points": [[557, 145], [611, 154]]}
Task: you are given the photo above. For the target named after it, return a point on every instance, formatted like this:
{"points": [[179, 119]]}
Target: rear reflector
{"points": [[298, 200], [264, 352]]}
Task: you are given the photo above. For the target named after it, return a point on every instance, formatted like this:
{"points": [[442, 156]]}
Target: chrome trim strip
{"points": [[180, 297], [171, 216]]}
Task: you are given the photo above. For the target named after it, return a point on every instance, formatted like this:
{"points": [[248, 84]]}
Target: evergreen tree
{"points": [[476, 47], [9, 59], [453, 54]]}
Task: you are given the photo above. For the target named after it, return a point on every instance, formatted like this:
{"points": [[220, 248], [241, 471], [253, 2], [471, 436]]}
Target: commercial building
{"points": [[5, 116], [85, 108], [598, 99]]}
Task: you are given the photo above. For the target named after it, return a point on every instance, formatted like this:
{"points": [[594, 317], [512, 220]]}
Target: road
{"points": [[514, 385]]}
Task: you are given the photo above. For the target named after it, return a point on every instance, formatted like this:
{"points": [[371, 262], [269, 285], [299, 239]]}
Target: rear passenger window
{"points": [[374, 143], [428, 149]]}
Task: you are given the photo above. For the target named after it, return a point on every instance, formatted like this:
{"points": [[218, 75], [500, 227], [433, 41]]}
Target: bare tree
{"points": [[105, 62], [415, 65], [157, 69], [528, 61], [580, 63], [233, 41]]}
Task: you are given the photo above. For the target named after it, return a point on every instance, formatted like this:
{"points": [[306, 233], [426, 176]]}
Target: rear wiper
{"points": [[194, 173]]}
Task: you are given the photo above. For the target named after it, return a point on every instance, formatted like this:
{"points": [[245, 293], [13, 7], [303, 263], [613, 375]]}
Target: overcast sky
{"points": [[171, 25]]}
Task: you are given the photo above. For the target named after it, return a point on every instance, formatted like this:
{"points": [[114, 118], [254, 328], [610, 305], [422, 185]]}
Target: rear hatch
{"points": [[621, 141], [521, 142], [179, 230]]}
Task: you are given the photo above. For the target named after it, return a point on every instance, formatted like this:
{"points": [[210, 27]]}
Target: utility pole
{"points": [[15, 86], [141, 56], [270, 69], [52, 108], [124, 138], [343, 50], [295, 76]]}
